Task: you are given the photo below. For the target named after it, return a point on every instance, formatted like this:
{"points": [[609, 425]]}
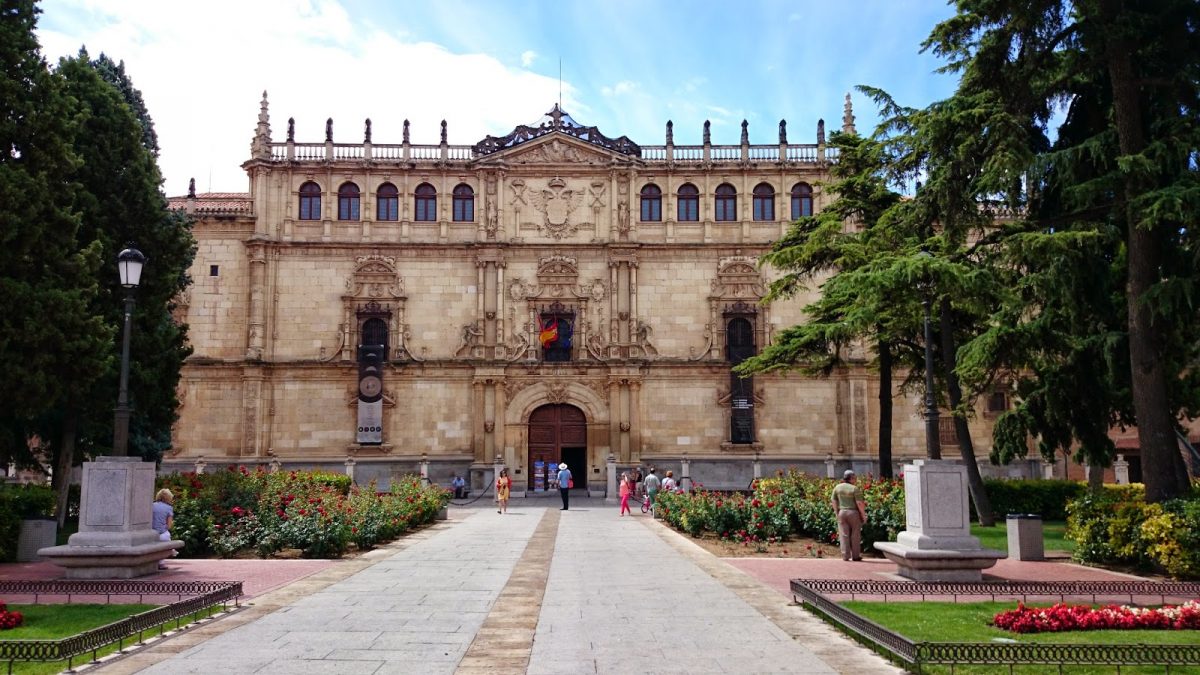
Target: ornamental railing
{"points": [[194, 597], [650, 154], [814, 593]]}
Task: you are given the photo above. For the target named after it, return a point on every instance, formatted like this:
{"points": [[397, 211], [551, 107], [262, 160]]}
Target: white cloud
{"points": [[527, 58], [622, 88], [202, 75]]}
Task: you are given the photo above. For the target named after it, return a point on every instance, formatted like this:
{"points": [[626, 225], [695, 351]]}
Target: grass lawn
{"points": [[1053, 534], [968, 622], [53, 622]]}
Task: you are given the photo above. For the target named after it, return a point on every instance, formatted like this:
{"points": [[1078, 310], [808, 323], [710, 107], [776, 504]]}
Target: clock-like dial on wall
{"points": [[370, 386]]}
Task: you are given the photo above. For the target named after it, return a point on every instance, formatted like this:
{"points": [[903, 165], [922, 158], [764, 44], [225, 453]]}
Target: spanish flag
{"points": [[549, 332]]}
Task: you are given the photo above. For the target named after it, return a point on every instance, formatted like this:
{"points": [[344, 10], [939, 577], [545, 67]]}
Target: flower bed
{"points": [[320, 513], [1063, 617], [791, 505]]}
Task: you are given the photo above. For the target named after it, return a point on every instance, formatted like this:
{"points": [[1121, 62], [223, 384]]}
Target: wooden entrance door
{"points": [[552, 428]]}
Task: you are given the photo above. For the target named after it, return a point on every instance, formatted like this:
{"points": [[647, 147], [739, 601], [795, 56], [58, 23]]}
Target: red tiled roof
{"points": [[214, 201]]}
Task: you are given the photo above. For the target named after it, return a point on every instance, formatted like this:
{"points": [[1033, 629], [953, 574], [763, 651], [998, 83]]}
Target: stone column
{"points": [[685, 474], [635, 416], [610, 494], [424, 469], [757, 467], [350, 468], [830, 467]]}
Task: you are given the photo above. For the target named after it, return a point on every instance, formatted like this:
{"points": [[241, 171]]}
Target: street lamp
{"points": [[129, 264], [933, 443]]}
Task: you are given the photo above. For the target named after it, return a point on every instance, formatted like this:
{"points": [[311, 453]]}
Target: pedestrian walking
{"points": [[626, 491], [564, 485], [503, 488], [851, 508], [652, 485]]}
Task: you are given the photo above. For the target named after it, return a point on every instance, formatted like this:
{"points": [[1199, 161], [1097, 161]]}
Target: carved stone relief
{"points": [[557, 202]]}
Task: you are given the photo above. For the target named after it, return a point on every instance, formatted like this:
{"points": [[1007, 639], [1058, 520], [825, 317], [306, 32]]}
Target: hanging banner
{"points": [[370, 422]]}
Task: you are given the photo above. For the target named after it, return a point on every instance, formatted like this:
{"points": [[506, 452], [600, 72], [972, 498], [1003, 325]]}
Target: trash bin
{"points": [[1025, 537]]}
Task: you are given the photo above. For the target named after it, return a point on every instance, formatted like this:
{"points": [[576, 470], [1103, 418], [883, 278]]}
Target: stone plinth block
{"points": [[937, 544], [114, 539], [35, 535], [1025, 541]]}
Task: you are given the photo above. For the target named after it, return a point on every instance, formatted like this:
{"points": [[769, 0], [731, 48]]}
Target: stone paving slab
{"points": [[465, 596]]}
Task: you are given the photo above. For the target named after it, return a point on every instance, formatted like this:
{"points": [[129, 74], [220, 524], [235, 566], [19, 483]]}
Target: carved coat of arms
{"points": [[556, 202]]}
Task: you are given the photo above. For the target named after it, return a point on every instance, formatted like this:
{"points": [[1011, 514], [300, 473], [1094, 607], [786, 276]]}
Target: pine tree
{"points": [[1122, 172], [51, 341], [121, 203]]}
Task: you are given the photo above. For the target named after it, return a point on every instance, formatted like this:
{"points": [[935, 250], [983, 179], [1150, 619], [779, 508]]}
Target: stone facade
{"points": [[552, 223]]}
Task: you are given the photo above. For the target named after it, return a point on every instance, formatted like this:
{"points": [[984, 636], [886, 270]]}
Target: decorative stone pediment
{"points": [[738, 277], [556, 123], [375, 277], [555, 149], [558, 269]]}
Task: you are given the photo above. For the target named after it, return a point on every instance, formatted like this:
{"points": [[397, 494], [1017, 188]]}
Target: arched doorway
{"points": [[557, 433]]}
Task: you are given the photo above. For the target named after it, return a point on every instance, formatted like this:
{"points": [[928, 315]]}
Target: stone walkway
{"points": [[536, 591]]}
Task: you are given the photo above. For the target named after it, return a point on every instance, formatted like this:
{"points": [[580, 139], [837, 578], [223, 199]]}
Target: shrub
{"points": [[1047, 498], [18, 502]]}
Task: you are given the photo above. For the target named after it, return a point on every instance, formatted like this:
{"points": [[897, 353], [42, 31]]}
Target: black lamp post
{"points": [[933, 443], [129, 263]]}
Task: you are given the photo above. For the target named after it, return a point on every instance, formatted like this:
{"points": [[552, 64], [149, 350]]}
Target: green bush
{"points": [[18, 502], [1047, 498], [1117, 526]]}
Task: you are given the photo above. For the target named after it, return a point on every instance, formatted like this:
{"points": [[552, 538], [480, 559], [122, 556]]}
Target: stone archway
{"points": [[557, 433]]}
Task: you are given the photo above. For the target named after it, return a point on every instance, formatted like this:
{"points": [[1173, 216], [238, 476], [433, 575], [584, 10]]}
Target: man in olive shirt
{"points": [[851, 512]]}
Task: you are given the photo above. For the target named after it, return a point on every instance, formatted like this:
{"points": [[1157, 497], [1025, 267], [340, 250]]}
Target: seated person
{"points": [[459, 486]]}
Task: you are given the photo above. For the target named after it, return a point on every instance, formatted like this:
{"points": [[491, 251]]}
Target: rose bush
{"points": [[320, 513], [9, 619]]}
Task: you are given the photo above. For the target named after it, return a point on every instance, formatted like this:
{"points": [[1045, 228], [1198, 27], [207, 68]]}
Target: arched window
{"points": [[689, 203], [387, 202], [651, 203], [348, 202], [310, 201], [374, 333], [802, 200], [764, 202], [726, 202], [556, 331], [464, 204], [426, 203]]}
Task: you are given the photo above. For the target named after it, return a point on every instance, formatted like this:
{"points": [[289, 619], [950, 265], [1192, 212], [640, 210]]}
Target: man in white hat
{"points": [[564, 485]]}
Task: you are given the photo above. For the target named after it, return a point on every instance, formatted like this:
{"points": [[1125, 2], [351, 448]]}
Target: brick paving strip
{"points": [[157, 651], [825, 641], [505, 640]]}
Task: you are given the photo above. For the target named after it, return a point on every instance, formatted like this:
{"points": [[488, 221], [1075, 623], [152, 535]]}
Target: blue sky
{"points": [[486, 66]]}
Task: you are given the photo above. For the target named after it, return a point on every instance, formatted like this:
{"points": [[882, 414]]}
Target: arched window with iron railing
{"points": [[739, 346]]}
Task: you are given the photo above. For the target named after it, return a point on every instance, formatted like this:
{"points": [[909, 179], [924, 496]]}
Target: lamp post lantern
{"points": [[129, 264], [933, 444]]}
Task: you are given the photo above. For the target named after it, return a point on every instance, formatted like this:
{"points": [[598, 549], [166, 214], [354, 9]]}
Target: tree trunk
{"points": [[885, 409], [62, 468], [1095, 478], [983, 506], [1163, 470]]}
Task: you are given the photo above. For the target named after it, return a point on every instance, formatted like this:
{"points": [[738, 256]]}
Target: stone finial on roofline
{"points": [[670, 132], [191, 188], [291, 137], [848, 117], [783, 132], [821, 132], [443, 132], [745, 132], [260, 147], [329, 130], [707, 132], [406, 131], [367, 131]]}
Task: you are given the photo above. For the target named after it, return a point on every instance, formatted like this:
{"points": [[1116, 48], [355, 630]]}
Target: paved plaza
{"points": [[536, 590]]}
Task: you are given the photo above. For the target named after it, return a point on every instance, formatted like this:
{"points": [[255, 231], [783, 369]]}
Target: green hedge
{"points": [[1046, 498], [18, 502]]}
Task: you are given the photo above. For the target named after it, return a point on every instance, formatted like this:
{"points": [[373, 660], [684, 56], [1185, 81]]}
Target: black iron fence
{"points": [[913, 655], [194, 597]]}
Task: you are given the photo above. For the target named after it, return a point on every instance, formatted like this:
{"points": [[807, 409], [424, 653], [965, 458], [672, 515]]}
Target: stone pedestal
{"points": [[1121, 470], [35, 534], [114, 540], [611, 482], [937, 544]]}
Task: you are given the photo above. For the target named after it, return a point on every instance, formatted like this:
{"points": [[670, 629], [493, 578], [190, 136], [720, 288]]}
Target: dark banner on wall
{"points": [[370, 395]]}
